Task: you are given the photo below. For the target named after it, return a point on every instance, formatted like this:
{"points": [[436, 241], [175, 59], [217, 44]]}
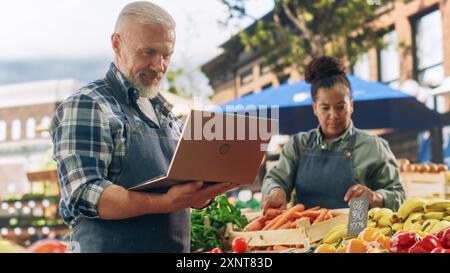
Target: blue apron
{"points": [[323, 177], [149, 152]]}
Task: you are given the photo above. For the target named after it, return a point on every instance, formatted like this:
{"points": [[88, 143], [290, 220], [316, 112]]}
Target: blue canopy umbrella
{"points": [[376, 105]]}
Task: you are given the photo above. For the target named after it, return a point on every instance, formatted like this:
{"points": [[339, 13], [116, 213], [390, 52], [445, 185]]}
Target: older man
{"points": [[118, 131]]}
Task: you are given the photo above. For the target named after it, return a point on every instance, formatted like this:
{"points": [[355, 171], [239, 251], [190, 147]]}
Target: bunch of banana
{"points": [[335, 234], [415, 214], [437, 205], [414, 222], [428, 225], [441, 225], [382, 218], [411, 205]]}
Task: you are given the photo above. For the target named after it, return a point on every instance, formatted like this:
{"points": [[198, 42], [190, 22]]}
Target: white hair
{"points": [[147, 13]]}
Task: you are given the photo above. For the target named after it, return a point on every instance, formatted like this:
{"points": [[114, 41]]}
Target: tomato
{"points": [[216, 250], [48, 246], [239, 245]]}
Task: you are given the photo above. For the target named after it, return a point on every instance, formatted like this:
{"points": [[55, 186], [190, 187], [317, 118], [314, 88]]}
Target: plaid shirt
{"points": [[88, 133]]}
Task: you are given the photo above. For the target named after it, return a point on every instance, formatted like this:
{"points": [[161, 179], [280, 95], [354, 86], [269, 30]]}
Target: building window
{"points": [[361, 69], [16, 130], [389, 65], [45, 123], [2, 130], [428, 49], [247, 76], [31, 128]]}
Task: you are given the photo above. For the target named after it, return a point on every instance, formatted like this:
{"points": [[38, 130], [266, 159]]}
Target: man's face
{"points": [[143, 54]]}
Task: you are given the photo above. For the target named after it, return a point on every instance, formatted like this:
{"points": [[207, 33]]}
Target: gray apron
{"points": [[149, 152], [323, 177]]}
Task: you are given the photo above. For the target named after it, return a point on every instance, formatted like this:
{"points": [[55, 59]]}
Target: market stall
{"points": [[34, 216], [419, 226]]}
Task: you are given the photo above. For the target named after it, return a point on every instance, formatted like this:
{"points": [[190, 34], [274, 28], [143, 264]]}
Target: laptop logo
{"points": [[224, 149]]}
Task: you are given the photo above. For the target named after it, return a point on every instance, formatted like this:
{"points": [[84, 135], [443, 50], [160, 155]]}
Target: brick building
{"points": [[418, 48], [25, 112]]}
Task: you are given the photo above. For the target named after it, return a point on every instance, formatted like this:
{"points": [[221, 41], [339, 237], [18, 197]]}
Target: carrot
{"points": [[321, 216], [272, 222], [312, 215], [328, 216], [272, 213], [297, 208], [313, 208], [256, 224], [286, 225], [286, 216], [280, 248], [335, 213], [296, 215]]}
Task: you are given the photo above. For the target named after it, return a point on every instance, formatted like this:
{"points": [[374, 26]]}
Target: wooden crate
{"points": [[305, 235], [425, 184], [39, 176]]}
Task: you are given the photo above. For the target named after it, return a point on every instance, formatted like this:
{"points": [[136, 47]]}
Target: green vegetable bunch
{"points": [[208, 225]]}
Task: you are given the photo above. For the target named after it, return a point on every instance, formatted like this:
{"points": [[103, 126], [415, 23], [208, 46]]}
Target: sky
{"points": [[81, 29]]}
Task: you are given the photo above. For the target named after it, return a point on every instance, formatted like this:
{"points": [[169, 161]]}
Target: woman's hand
{"points": [[358, 190], [275, 199]]}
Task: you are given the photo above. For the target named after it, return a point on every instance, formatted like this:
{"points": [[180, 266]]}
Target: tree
{"points": [[298, 30], [171, 77]]}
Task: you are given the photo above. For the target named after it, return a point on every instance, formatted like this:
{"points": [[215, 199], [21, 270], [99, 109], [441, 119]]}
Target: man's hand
{"points": [[375, 199], [194, 194], [275, 199]]}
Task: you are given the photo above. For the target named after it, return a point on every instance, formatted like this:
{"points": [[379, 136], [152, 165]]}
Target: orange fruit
{"points": [[341, 249], [370, 234], [325, 248], [357, 246]]}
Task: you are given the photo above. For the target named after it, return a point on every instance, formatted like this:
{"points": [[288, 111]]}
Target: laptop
{"points": [[217, 147]]}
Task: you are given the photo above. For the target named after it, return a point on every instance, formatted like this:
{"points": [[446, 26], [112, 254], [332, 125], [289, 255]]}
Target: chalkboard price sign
{"points": [[357, 219]]}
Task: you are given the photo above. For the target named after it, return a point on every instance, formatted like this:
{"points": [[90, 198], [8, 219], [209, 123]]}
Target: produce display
{"points": [[37, 197], [208, 226], [406, 166], [272, 231], [290, 218], [419, 226]]}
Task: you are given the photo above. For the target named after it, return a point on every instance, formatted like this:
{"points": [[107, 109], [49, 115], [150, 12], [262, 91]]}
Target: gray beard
{"points": [[148, 91], [145, 91]]}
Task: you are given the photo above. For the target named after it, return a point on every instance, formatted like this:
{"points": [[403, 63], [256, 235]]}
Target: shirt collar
{"points": [[131, 93], [344, 136]]}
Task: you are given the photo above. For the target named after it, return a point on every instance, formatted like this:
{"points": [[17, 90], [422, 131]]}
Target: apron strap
{"points": [[351, 144], [352, 141], [124, 100], [311, 139]]}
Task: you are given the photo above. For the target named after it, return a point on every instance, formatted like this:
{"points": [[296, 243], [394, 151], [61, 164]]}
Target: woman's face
{"points": [[333, 107]]}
